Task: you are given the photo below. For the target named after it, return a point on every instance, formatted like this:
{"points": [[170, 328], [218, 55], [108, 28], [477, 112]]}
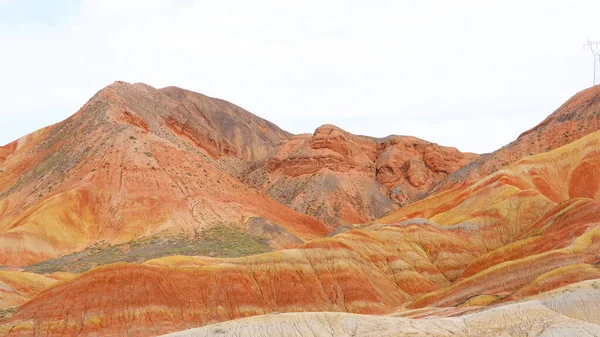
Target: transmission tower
{"points": [[594, 47]]}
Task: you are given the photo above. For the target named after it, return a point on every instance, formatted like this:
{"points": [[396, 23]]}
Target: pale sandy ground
{"points": [[573, 310]]}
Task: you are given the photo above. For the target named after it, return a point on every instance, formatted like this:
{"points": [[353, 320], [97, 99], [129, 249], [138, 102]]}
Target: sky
{"points": [[473, 74]]}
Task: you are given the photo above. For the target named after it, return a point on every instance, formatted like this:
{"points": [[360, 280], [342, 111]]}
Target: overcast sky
{"points": [[472, 74]]}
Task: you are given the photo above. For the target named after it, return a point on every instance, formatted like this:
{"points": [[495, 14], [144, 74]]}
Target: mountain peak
{"points": [[576, 118], [132, 144], [332, 167], [581, 109]]}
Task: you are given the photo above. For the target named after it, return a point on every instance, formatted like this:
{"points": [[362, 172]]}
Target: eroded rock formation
{"points": [[342, 178]]}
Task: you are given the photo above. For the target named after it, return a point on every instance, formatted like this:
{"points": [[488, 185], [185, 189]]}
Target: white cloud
{"points": [[471, 74]]}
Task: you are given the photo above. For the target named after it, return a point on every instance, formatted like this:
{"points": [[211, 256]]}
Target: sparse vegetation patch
{"points": [[217, 241]]}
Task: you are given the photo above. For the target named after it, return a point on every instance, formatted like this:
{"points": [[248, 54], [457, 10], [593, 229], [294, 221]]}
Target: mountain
{"points": [[498, 253], [577, 117], [507, 237], [221, 128], [341, 178], [138, 162]]}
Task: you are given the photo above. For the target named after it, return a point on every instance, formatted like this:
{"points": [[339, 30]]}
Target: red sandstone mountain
{"points": [[504, 238], [136, 161], [342, 178], [514, 234], [577, 117]]}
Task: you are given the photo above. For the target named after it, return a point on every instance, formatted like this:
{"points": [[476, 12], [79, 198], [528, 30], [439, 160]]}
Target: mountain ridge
{"points": [[577, 117], [201, 197], [133, 174]]}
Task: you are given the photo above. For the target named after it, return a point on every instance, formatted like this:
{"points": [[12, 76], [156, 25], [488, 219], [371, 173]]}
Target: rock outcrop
{"points": [[136, 161], [342, 178]]}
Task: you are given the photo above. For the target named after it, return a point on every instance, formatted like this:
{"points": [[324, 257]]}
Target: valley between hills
{"points": [[165, 211]]}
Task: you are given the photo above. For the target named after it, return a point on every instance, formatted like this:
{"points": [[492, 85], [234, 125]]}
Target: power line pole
{"points": [[594, 47]]}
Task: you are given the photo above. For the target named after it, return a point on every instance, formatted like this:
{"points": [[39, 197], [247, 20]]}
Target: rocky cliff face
{"points": [[342, 178], [139, 170], [410, 167]]}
